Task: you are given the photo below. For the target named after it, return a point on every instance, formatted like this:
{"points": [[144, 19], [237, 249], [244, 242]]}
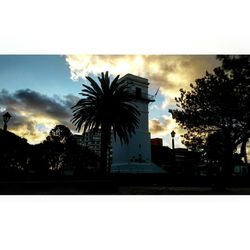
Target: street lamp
{"points": [[6, 118], [173, 135], [174, 160]]}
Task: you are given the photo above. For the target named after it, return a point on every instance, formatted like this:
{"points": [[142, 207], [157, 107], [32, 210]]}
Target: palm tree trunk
{"points": [[105, 140]]}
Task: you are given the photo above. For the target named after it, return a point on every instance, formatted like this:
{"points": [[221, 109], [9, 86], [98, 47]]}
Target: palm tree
{"points": [[106, 106]]}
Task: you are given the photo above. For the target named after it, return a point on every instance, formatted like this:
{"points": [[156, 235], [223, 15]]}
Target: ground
{"points": [[106, 187]]}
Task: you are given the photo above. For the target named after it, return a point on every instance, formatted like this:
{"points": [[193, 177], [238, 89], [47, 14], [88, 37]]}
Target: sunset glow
{"points": [[40, 90]]}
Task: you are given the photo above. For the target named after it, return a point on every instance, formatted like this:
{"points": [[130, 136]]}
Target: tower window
{"points": [[138, 92]]}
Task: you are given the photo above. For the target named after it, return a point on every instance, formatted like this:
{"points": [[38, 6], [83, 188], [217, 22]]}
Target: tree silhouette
{"points": [[214, 149], [106, 106], [59, 133], [239, 68], [55, 147], [13, 154], [60, 153], [218, 103]]}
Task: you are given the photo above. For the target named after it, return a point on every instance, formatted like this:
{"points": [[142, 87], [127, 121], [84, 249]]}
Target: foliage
{"points": [[106, 106], [13, 153], [60, 152], [214, 147], [50, 158], [218, 104], [59, 133]]}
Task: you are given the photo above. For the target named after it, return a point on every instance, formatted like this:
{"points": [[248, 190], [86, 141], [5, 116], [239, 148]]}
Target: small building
{"points": [[181, 161], [156, 141], [186, 161], [161, 155]]}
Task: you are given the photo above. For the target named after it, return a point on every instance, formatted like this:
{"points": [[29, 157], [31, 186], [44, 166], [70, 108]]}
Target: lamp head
{"points": [[6, 117], [173, 134]]}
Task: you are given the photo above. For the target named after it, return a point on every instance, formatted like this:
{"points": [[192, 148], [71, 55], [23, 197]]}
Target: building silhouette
{"points": [[90, 140], [156, 142], [136, 156]]}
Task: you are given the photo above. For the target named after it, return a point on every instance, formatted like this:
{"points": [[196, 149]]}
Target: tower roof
{"points": [[135, 78]]}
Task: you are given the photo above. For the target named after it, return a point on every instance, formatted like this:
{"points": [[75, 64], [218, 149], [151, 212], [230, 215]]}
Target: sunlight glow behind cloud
{"points": [[35, 114], [168, 72], [41, 112]]}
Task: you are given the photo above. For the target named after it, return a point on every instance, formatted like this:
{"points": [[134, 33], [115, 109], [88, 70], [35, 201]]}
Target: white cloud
{"points": [[163, 127], [170, 73]]}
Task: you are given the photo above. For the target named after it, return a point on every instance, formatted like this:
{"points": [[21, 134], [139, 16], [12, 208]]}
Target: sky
{"points": [[38, 90]]}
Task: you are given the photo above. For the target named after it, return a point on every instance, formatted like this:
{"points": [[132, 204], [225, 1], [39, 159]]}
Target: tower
{"points": [[136, 156]]}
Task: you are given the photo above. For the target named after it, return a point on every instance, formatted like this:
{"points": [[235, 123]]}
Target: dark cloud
{"points": [[42, 104], [70, 100], [37, 104], [17, 121], [8, 101], [30, 111]]}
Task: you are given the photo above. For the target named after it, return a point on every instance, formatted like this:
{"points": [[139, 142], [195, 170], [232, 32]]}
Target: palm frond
{"points": [[107, 102]]}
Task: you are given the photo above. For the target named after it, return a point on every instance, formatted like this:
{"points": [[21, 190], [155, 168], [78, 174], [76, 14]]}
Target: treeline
{"points": [[58, 155]]}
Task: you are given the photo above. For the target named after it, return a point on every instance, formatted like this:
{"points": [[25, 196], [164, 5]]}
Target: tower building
{"points": [[135, 157]]}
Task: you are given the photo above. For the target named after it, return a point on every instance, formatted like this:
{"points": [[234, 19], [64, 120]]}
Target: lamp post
{"points": [[173, 135], [6, 118]]}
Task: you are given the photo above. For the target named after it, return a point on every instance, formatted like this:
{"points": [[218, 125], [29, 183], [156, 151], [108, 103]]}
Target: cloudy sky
{"points": [[38, 91]]}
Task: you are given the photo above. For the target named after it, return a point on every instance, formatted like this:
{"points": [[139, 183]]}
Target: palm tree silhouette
{"points": [[106, 106]]}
